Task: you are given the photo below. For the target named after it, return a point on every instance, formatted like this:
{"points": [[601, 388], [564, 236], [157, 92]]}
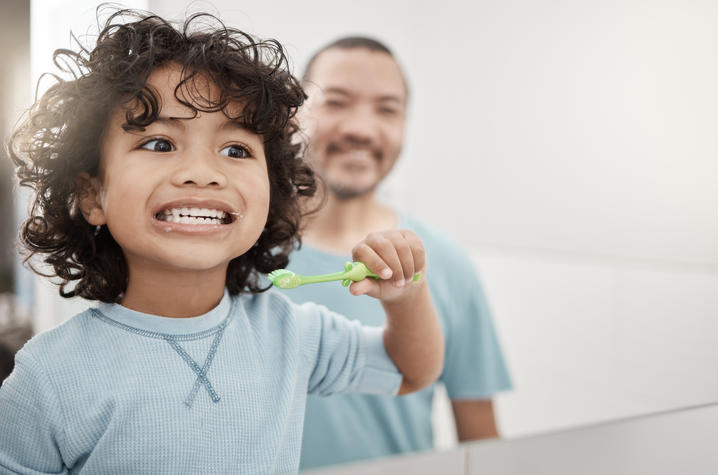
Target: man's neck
{"points": [[340, 224]]}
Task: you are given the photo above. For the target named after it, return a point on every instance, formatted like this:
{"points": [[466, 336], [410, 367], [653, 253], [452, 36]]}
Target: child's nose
{"points": [[199, 169]]}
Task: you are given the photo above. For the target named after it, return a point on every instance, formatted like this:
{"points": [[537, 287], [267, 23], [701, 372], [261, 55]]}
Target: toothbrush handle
{"points": [[414, 278], [313, 279], [353, 272], [365, 272]]}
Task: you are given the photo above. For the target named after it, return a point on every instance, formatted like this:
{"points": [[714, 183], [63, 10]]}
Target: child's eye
{"points": [[235, 151], [158, 145]]}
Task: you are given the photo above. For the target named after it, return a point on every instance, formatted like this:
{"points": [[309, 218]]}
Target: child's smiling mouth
{"points": [[194, 215]]}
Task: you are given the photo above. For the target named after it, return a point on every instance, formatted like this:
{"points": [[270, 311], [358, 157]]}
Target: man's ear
{"points": [[88, 192]]}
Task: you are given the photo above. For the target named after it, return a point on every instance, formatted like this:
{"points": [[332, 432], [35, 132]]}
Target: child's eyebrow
{"points": [[231, 124], [179, 123], [174, 122]]}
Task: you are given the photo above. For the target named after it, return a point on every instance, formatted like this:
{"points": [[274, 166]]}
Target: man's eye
{"points": [[335, 104], [235, 151], [158, 145]]}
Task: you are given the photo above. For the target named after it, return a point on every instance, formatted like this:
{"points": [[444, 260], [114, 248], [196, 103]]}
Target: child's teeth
{"points": [[193, 215]]}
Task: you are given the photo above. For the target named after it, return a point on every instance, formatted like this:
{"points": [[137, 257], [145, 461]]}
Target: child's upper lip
{"points": [[194, 202]]}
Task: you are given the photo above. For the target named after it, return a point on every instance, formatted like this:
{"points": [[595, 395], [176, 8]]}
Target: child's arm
{"points": [[412, 335], [32, 426]]}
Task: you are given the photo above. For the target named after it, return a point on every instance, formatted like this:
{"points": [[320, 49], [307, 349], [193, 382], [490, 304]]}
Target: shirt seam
{"points": [[164, 336]]}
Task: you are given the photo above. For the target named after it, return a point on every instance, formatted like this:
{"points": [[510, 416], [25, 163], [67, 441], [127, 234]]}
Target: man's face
{"points": [[354, 118]]}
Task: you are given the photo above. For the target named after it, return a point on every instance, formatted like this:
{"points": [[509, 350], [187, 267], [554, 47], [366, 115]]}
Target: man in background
{"points": [[354, 122]]}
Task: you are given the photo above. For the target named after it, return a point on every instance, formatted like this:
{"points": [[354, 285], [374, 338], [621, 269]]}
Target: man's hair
{"points": [[62, 133], [354, 42]]}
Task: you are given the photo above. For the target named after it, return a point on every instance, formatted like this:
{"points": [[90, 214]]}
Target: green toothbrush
{"points": [[353, 272]]}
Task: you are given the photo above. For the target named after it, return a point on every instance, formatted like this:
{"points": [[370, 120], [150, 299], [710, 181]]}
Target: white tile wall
{"points": [[590, 339]]}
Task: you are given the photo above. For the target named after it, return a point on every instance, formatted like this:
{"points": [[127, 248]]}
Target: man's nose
{"points": [[360, 125], [199, 168]]}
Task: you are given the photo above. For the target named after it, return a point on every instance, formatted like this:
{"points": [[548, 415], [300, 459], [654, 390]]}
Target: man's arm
{"points": [[474, 419]]}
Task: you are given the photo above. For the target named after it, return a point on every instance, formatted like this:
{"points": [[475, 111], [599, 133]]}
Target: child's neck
{"points": [[173, 293]]}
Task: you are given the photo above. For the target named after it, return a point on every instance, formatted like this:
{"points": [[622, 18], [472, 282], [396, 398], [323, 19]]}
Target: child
{"points": [[167, 182]]}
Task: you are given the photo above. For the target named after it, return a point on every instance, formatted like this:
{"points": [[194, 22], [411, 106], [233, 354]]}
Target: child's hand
{"points": [[395, 256]]}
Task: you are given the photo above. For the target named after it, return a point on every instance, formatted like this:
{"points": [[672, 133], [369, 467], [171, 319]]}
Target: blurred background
{"points": [[571, 146]]}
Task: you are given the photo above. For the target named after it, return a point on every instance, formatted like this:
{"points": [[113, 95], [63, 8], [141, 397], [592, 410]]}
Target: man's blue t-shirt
{"points": [[353, 427]]}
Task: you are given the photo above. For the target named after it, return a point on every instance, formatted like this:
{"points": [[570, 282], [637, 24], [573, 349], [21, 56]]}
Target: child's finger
{"points": [[417, 251], [395, 250], [379, 254], [362, 287], [406, 258]]}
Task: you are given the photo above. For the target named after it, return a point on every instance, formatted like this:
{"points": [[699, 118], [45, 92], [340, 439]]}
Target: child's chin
{"points": [[198, 263]]}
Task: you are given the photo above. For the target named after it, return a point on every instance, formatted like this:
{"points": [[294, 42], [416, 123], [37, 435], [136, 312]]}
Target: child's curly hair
{"points": [[61, 137]]}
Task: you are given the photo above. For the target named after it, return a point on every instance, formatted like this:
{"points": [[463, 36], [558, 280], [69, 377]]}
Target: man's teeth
{"points": [[194, 216], [360, 154]]}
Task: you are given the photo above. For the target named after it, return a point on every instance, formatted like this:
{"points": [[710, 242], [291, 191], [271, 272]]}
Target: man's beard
{"points": [[346, 193], [341, 191]]}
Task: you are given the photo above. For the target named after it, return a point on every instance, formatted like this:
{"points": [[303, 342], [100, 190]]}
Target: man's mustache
{"points": [[347, 145]]}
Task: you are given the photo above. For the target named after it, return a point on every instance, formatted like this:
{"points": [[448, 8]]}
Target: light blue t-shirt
{"points": [[114, 391], [354, 427]]}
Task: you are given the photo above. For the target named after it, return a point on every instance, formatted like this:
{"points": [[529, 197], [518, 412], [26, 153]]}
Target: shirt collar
{"points": [[167, 325]]}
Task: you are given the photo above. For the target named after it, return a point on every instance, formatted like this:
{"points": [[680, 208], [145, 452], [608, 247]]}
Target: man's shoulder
{"points": [[452, 273], [439, 245]]}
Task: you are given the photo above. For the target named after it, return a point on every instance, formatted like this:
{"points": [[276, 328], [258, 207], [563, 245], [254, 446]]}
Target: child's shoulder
{"points": [[55, 344], [269, 304], [274, 306]]}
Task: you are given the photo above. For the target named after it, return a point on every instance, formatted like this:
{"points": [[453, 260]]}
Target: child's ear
{"points": [[88, 192]]}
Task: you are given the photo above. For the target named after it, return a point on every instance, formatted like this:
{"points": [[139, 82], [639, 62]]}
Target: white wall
{"points": [[591, 340], [59, 24], [570, 146]]}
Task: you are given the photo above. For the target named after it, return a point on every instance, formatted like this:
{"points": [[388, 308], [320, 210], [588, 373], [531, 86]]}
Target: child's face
{"points": [[185, 194]]}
